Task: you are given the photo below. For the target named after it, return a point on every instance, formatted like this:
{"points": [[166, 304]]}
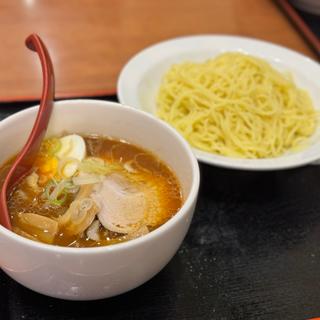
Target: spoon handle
{"points": [[25, 158], [34, 43]]}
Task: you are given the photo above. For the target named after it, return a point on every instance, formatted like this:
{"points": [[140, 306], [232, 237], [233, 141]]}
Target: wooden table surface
{"points": [[91, 40]]}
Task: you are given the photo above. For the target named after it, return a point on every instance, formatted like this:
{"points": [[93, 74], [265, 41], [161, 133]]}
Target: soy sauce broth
{"points": [[132, 162]]}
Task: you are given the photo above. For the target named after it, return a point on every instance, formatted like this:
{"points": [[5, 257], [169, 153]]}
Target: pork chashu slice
{"points": [[122, 204]]}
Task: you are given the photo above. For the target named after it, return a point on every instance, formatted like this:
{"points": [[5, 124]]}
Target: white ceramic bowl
{"points": [[94, 273]]}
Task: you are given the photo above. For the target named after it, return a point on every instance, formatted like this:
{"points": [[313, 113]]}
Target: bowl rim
{"points": [[180, 214]]}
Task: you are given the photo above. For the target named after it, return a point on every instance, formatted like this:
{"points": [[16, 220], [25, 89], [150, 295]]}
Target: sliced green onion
{"points": [[96, 166], [59, 201], [87, 179], [56, 192], [55, 146], [64, 164], [71, 187], [49, 188]]}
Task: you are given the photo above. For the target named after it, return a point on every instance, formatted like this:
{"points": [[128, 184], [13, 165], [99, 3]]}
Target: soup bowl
{"points": [[100, 272]]}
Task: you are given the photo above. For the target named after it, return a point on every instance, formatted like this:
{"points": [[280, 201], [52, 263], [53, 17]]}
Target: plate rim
{"points": [[206, 157]]}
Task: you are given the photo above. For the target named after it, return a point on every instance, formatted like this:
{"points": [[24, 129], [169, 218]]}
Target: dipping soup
{"points": [[87, 191]]}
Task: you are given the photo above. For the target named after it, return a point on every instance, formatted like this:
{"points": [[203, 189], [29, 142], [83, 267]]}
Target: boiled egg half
{"points": [[71, 152]]}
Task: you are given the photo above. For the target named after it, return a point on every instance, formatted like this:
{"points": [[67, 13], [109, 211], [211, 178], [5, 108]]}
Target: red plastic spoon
{"points": [[25, 159]]}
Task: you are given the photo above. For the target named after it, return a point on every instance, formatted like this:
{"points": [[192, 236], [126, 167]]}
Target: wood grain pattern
{"points": [[91, 40]]}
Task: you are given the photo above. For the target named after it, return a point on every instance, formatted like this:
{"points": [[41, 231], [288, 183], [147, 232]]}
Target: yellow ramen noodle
{"points": [[236, 105]]}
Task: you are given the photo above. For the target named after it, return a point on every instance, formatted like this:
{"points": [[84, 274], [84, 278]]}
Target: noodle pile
{"points": [[236, 105]]}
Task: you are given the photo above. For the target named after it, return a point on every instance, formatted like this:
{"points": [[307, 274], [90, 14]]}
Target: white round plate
{"points": [[139, 82]]}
